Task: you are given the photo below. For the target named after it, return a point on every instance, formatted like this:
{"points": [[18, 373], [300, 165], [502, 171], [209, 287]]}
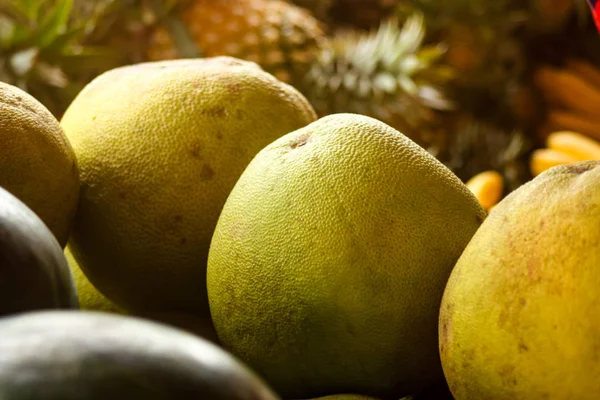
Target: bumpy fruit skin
{"points": [[519, 314], [97, 356], [330, 257], [34, 274], [37, 162], [160, 146], [282, 38]]}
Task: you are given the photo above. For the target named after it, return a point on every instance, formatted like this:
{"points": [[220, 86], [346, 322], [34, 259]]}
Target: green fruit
{"points": [[160, 146], [37, 163], [99, 356], [34, 274], [329, 260], [519, 315]]}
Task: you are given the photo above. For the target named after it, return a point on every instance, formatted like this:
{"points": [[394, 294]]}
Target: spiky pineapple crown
{"points": [[387, 73]]}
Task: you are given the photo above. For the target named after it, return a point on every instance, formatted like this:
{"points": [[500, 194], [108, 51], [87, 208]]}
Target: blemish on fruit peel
{"points": [[301, 141]]}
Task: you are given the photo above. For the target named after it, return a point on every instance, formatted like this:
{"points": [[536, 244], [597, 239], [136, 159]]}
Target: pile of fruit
{"points": [[262, 226], [203, 200]]}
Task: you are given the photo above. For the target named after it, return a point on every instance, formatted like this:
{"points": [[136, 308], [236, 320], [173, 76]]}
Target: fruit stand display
{"points": [[299, 199]]}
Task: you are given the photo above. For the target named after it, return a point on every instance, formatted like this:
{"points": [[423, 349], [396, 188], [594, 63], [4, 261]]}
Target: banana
{"points": [[564, 88], [543, 159], [487, 187], [589, 125], [574, 144], [586, 71]]}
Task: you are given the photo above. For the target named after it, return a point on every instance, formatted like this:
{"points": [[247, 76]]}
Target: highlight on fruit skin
{"points": [[487, 187], [564, 147]]}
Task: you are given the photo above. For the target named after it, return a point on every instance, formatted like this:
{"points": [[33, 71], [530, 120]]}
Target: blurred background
{"points": [[481, 84]]}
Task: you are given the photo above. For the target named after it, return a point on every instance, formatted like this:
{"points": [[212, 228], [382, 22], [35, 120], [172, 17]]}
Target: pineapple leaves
{"points": [[55, 23], [28, 9], [35, 23]]}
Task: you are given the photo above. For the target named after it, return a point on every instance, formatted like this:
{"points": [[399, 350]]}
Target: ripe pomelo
{"points": [[519, 315], [330, 257], [160, 146], [37, 162]]}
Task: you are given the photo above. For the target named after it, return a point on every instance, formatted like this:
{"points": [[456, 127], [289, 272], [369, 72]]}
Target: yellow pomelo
{"points": [[37, 163], [89, 297], [329, 260], [519, 317], [160, 145]]}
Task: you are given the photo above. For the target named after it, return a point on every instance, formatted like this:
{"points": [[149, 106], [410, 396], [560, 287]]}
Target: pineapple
{"points": [[454, 76], [281, 37], [396, 73], [387, 74], [319, 8]]}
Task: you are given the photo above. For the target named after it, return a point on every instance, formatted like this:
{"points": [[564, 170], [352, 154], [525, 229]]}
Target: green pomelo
{"points": [[329, 260]]}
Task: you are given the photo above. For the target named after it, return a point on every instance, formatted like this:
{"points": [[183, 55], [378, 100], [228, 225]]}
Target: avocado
{"points": [[92, 355], [34, 274]]}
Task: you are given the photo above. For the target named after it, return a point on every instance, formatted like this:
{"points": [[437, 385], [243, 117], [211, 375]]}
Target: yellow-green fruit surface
{"points": [[160, 146], [329, 260], [519, 317], [89, 297], [37, 162]]}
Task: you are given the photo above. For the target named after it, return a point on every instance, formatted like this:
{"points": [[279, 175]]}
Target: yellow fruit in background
{"points": [[160, 146], [574, 144], [564, 147], [37, 163], [89, 297], [487, 186], [519, 315], [544, 159], [330, 257]]}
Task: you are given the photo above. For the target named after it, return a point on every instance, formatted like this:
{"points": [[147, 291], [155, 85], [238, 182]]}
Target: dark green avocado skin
{"points": [[34, 274], [77, 355]]}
